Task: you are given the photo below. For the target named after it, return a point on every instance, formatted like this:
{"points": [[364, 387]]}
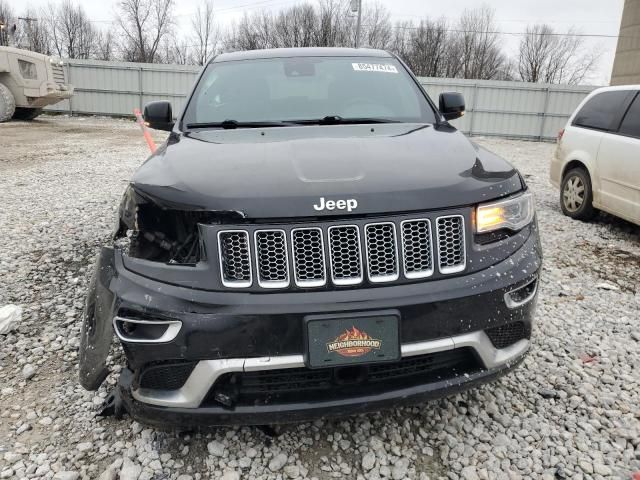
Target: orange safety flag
{"points": [[145, 130]]}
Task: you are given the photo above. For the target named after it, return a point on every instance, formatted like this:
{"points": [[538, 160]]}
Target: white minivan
{"points": [[597, 161]]}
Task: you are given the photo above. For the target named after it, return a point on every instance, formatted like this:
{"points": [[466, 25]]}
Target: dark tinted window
{"points": [[602, 110], [631, 123]]}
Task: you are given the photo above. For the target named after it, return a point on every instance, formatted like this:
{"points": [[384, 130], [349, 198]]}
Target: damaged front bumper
{"points": [[212, 357]]}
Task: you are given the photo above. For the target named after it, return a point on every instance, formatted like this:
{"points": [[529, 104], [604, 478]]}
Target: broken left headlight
{"points": [[150, 231]]}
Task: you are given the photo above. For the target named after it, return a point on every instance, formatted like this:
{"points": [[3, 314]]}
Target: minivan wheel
{"points": [[576, 196]]}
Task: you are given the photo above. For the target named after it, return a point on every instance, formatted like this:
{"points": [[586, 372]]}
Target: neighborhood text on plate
{"points": [[374, 67]]}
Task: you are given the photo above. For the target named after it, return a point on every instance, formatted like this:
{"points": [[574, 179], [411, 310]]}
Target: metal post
{"points": [[68, 65], [544, 114], [474, 101], [359, 24], [140, 88]]}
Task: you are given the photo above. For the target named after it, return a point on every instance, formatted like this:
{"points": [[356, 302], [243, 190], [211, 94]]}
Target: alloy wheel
{"points": [[573, 194]]}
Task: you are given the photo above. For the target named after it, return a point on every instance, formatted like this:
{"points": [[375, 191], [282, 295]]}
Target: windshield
{"points": [[307, 88]]}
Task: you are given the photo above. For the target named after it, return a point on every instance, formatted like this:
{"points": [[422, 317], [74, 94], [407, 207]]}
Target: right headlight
{"points": [[513, 214]]}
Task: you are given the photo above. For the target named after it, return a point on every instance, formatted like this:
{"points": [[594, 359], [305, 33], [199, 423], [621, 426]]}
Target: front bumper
{"points": [[303, 411], [207, 372], [51, 93], [223, 333]]}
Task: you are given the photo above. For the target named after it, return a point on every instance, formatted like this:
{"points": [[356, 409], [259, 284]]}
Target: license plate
{"points": [[335, 340]]}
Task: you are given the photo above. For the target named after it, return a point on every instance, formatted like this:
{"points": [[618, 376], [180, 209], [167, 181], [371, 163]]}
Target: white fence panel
{"points": [[494, 108]]}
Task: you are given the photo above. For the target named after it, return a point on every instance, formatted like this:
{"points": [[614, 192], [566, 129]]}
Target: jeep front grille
{"points": [[271, 258], [235, 260], [417, 248], [382, 252], [344, 255], [308, 257], [451, 251]]}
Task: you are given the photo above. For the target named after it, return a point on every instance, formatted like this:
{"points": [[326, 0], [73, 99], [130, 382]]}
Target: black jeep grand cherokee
{"points": [[314, 238]]}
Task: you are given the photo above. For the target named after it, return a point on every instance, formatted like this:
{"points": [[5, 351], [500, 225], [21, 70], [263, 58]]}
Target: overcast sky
{"points": [[594, 17]]}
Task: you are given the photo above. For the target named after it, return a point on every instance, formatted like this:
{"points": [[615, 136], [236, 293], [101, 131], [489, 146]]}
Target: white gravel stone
{"points": [[470, 473], [84, 446], [278, 462], [12, 457], [368, 461], [216, 449], [130, 470], [66, 476], [292, 471], [231, 475], [28, 371], [10, 316], [601, 469], [109, 474]]}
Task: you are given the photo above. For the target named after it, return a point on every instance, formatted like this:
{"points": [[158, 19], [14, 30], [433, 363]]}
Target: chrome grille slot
{"points": [[451, 244], [308, 257], [235, 260], [417, 248], [345, 255], [271, 258], [382, 252]]}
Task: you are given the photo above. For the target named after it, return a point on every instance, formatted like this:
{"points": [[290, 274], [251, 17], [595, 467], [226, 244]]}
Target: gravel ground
{"points": [[570, 411]]}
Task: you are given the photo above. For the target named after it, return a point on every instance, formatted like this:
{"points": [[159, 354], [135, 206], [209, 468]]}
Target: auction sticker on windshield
{"points": [[374, 67]]}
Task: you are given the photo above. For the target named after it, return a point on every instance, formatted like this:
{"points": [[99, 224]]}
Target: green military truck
{"points": [[29, 82]]}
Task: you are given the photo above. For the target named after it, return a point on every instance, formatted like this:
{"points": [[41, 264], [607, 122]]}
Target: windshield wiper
{"points": [[231, 124], [338, 120]]}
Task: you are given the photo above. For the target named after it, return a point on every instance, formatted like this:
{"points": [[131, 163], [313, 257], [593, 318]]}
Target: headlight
{"points": [[513, 214]]}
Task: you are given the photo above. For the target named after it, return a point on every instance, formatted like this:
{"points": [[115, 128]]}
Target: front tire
{"points": [[26, 114], [7, 104], [576, 195]]}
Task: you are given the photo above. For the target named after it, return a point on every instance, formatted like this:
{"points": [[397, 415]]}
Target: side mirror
{"points": [[451, 105], [158, 115]]}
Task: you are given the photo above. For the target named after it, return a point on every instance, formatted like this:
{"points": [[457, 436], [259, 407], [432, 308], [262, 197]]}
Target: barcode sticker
{"points": [[374, 67]]}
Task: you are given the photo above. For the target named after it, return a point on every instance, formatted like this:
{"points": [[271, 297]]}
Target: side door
{"points": [[619, 166], [595, 120]]}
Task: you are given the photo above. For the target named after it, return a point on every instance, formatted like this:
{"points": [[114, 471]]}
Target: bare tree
{"points": [[72, 33], [429, 48], [144, 24], [336, 27], [206, 32], [471, 49], [481, 54], [296, 27], [7, 22], [400, 42], [105, 46], [377, 31], [175, 51], [547, 57], [252, 32]]}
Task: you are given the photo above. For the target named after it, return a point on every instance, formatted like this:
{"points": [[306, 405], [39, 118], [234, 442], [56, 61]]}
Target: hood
{"points": [[295, 171]]}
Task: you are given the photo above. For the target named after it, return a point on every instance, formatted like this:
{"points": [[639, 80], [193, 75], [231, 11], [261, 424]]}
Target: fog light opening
{"points": [[521, 295], [146, 331]]}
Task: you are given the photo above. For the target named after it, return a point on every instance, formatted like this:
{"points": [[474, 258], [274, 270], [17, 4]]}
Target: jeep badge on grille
{"points": [[348, 205]]}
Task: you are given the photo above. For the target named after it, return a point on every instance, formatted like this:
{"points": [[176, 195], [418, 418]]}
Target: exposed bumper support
{"points": [[207, 372]]}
